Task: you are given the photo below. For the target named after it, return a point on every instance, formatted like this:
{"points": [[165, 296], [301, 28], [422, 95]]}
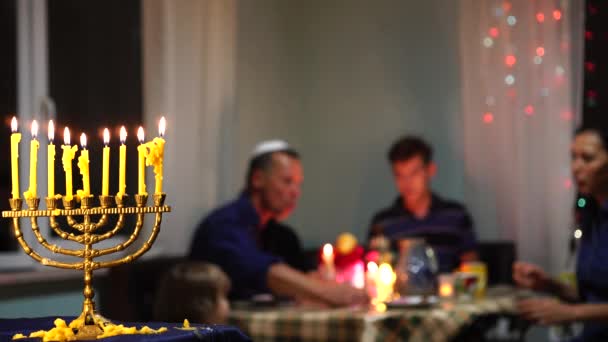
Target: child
{"points": [[193, 290]]}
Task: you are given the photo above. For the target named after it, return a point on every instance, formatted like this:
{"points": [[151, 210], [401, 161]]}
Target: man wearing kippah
{"points": [[245, 239]]}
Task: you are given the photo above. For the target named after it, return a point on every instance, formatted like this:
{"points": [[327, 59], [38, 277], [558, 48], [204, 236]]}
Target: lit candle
{"points": [[122, 163], [51, 160], [83, 165], [328, 261], [358, 278], [68, 155], [34, 145], [328, 254], [15, 139], [157, 153], [446, 285], [105, 182], [384, 282], [142, 152], [370, 279]]}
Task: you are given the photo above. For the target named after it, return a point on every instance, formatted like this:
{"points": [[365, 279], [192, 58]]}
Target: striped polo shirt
{"points": [[447, 228]]}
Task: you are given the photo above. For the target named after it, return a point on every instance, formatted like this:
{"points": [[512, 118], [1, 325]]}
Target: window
{"points": [[94, 78]]}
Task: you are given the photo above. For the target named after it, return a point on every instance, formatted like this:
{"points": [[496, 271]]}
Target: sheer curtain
{"points": [[189, 64], [521, 81]]}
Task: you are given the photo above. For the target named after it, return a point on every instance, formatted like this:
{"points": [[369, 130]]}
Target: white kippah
{"points": [[269, 146]]}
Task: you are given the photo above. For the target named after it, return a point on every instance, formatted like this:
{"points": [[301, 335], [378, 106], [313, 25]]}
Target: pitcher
{"points": [[416, 268]]}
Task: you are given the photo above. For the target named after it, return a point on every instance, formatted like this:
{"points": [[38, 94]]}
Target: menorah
{"points": [[89, 320], [81, 218]]}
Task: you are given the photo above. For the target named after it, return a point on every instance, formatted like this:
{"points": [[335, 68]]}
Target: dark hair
{"points": [[408, 147], [263, 162], [600, 131], [190, 290]]}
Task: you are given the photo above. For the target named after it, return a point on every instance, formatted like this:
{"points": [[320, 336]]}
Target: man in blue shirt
{"points": [[418, 212], [232, 236]]}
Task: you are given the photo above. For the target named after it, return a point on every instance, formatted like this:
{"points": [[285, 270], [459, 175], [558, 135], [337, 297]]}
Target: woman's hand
{"points": [[530, 276], [546, 311]]}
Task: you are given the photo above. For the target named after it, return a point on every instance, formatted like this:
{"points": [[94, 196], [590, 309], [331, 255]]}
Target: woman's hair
{"points": [[190, 290], [600, 131]]}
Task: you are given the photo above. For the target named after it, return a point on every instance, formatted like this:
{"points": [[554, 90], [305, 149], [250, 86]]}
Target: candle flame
{"points": [[83, 140], [34, 129], [123, 135], [328, 250], [106, 136], [51, 131], [386, 274], [14, 125], [446, 290], [162, 124], [140, 135], [66, 136], [372, 267]]}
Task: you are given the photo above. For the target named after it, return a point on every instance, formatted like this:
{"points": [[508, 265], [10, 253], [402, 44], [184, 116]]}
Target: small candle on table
{"points": [[328, 261], [122, 163], [51, 161], [32, 191], [142, 152], [105, 181], [384, 282], [370, 279], [83, 165], [68, 155], [15, 139]]}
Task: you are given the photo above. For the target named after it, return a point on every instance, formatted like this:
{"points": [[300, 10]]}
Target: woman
{"points": [[590, 303]]}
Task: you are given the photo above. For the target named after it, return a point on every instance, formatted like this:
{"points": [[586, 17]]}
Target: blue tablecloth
{"points": [[10, 327]]}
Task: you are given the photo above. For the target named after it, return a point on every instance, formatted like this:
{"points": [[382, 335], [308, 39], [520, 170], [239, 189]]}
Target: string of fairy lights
{"points": [[498, 36]]}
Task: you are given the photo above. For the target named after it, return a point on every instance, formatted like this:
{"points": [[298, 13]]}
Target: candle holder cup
{"points": [[89, 324]]}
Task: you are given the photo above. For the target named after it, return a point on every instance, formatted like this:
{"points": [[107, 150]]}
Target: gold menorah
{"points": [[89, 322]]}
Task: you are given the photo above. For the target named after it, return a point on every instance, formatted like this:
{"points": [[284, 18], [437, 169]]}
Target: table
{"points": [[10, 327], [436, 323]]}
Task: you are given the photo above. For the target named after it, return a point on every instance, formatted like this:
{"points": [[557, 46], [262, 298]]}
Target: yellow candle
{"points": [[142, 152], [385, 282], [122, 163], [15, 139], [105, 181], [156, 155], [68, 155], [83, 165], [32, 191], [51, 160]]}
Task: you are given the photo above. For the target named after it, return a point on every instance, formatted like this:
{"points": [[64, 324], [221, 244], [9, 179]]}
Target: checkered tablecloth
{"points": [[437, 323]]}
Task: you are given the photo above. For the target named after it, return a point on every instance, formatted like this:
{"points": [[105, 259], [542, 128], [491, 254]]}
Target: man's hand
{"points": [[530, 276], [309, 288], [546, 311]]}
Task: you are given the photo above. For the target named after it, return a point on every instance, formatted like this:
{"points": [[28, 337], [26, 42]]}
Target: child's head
{"points": [[193, 290]]}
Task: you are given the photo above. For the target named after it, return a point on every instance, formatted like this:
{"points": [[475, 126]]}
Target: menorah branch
{"points": [[138, 225], [51, 247], [15, 207], [158, 201]]}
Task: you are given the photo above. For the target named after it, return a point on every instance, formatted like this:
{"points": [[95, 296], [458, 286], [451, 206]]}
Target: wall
{"points": [[341, 80]]}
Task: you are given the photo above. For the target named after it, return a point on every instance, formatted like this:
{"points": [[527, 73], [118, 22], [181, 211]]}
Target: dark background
{"points": [[94, 80]]}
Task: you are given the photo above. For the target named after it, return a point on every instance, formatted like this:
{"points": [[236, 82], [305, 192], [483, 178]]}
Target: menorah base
{"points": [[88, 328], [89, 332]]}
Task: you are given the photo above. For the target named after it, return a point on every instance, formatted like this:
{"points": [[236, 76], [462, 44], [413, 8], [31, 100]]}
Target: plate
{"points": [[413, 302]]}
